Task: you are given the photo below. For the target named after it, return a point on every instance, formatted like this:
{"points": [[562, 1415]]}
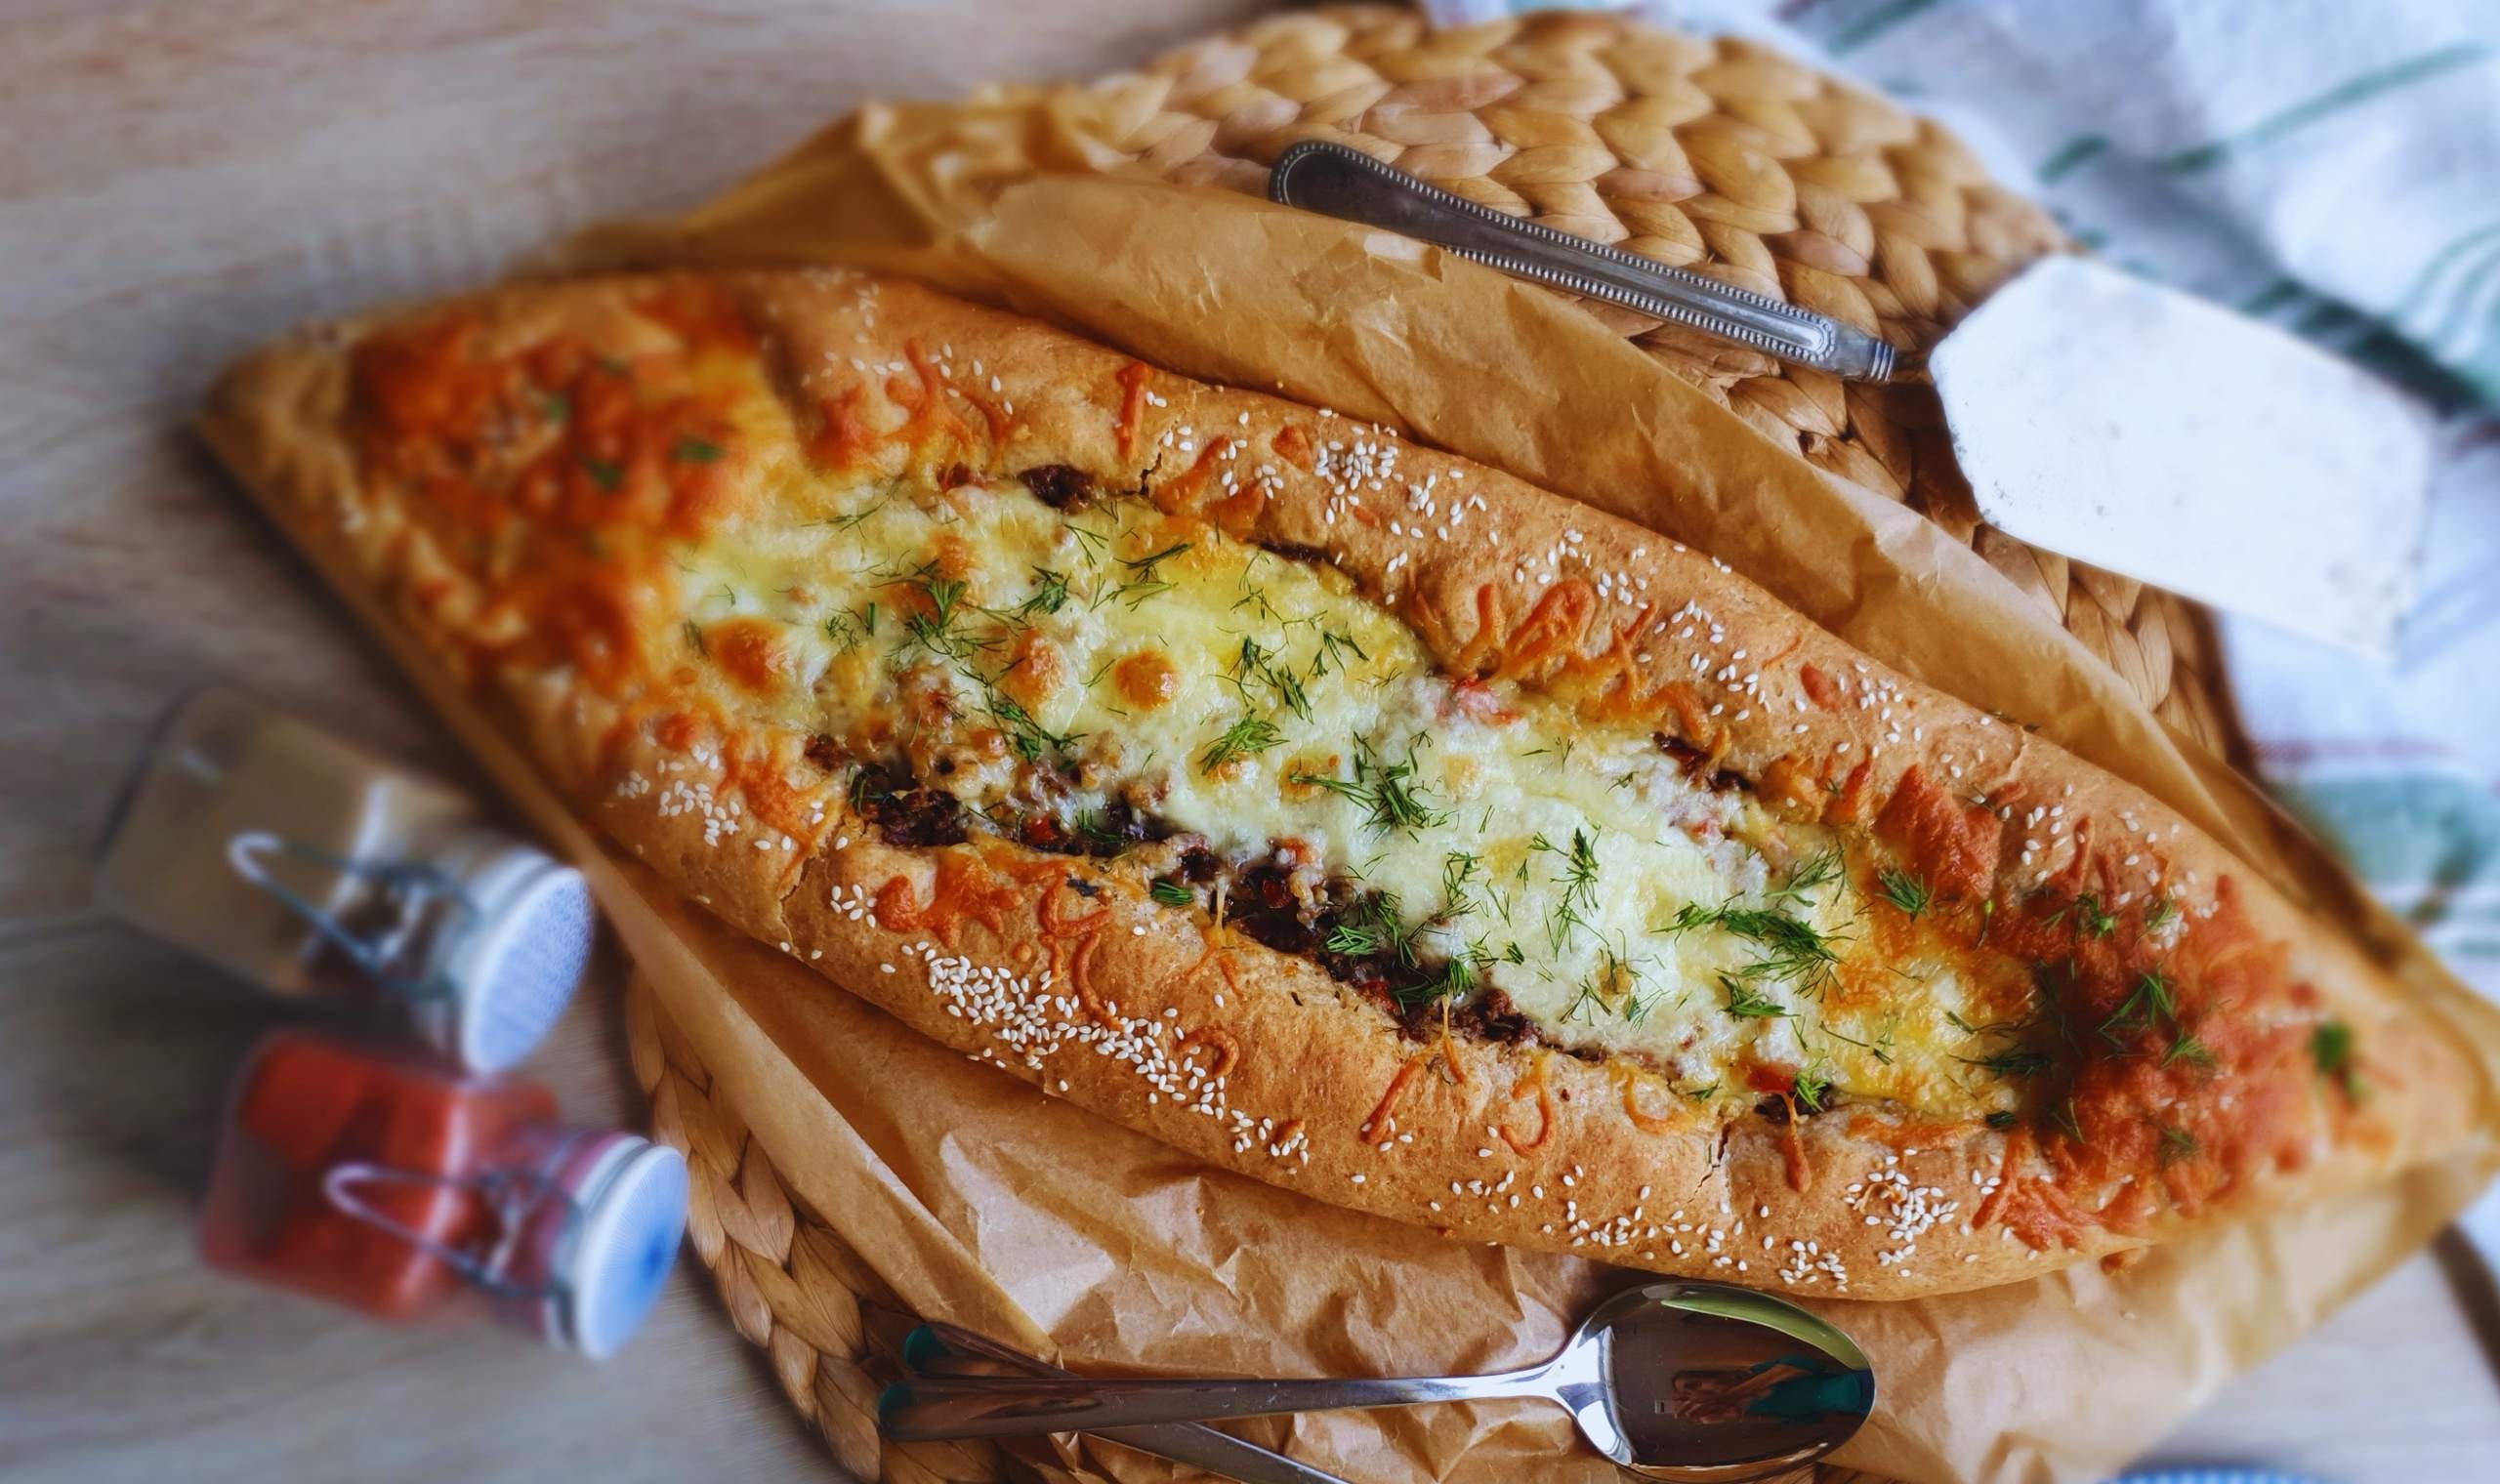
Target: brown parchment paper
{"points": [[984, 1202]]}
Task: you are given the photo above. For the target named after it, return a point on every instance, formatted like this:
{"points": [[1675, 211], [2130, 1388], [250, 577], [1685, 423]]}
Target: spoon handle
{"points": [[937, 1350], [932, 1408]]}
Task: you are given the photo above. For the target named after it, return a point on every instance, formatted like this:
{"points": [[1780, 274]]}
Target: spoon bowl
{"points": [[1697, 1382], [1711, 1385]]}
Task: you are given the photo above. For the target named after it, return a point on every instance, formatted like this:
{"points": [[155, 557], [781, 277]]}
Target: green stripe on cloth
{"points": [[2334, 99], [2457, 318], [2069, 155], [2482, 372], [2424, 282], [2274, 296], [2419, 837], [1874, 23], [2323, 316]]}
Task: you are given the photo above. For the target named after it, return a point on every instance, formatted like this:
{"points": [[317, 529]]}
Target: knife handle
{"points": [[1339, 180]]}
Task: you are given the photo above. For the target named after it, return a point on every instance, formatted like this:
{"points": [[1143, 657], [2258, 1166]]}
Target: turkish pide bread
{"points": [[1346, 814]]}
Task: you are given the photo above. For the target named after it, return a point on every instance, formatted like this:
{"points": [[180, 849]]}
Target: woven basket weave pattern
{"points": [[1713, 156], [789, 1284]]}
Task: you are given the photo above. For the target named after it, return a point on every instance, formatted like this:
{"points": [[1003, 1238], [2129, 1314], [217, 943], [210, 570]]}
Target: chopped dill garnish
{"points": [[2176, 1143], [1456, 980], [2330, 1048], [1092, 543], [2002, 1119], [2013, 1064], [848, 629], [1255, 663], [1353, 940], [2188, 1048], [1817, 870], [1616, 982], [1903, 889], [1880, 1047], [1588, 995], [1143, 566], [1792, 948], [1249, 735], [865, 788], [1172, 893], [1131, 593], [1459, 871], [1384, 790], [2152, 1003], [1796, 951], [1144, 583], [694, 636], [1375, 924], [1748, 1003], [1049, 595], [1253, 597], [940, 631], [1030, 739], [694, 450], [1577, 875], [1332, 652], [2161, 913], [1810, 1090], [1101, 838]]}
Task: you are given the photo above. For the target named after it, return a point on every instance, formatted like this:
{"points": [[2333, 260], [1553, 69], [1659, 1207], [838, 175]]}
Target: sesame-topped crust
{"points": [[513, 478]]}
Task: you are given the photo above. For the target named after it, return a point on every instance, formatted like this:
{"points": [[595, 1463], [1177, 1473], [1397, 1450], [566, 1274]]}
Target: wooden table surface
{"points": [[182, 179]]}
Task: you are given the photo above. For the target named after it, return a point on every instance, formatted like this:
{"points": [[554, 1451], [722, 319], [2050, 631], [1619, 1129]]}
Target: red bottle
{"points": [[374, 1178]]}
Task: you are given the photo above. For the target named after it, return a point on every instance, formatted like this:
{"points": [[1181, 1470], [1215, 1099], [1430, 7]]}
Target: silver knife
{"points": [[2094, 412], [945, 1349], [1339, 180]]}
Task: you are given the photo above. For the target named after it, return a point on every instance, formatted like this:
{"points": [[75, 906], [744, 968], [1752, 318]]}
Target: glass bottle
{"points": [[320, 872], [374, 1177]]}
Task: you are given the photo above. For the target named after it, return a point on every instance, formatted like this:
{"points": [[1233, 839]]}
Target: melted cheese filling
{"points": [[1029, 660]]}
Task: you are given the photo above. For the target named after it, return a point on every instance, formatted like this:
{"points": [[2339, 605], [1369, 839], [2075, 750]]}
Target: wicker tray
{"points": [[1713, 156]]}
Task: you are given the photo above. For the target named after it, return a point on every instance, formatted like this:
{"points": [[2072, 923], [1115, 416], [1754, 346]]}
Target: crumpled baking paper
{"points": [[983, 1201]]}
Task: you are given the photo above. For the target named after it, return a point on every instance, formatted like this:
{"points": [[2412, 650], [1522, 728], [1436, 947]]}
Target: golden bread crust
{"points": [[1252, 1059]]}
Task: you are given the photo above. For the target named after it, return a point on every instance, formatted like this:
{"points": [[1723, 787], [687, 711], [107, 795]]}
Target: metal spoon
{"points": [[1692, 1382]]}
